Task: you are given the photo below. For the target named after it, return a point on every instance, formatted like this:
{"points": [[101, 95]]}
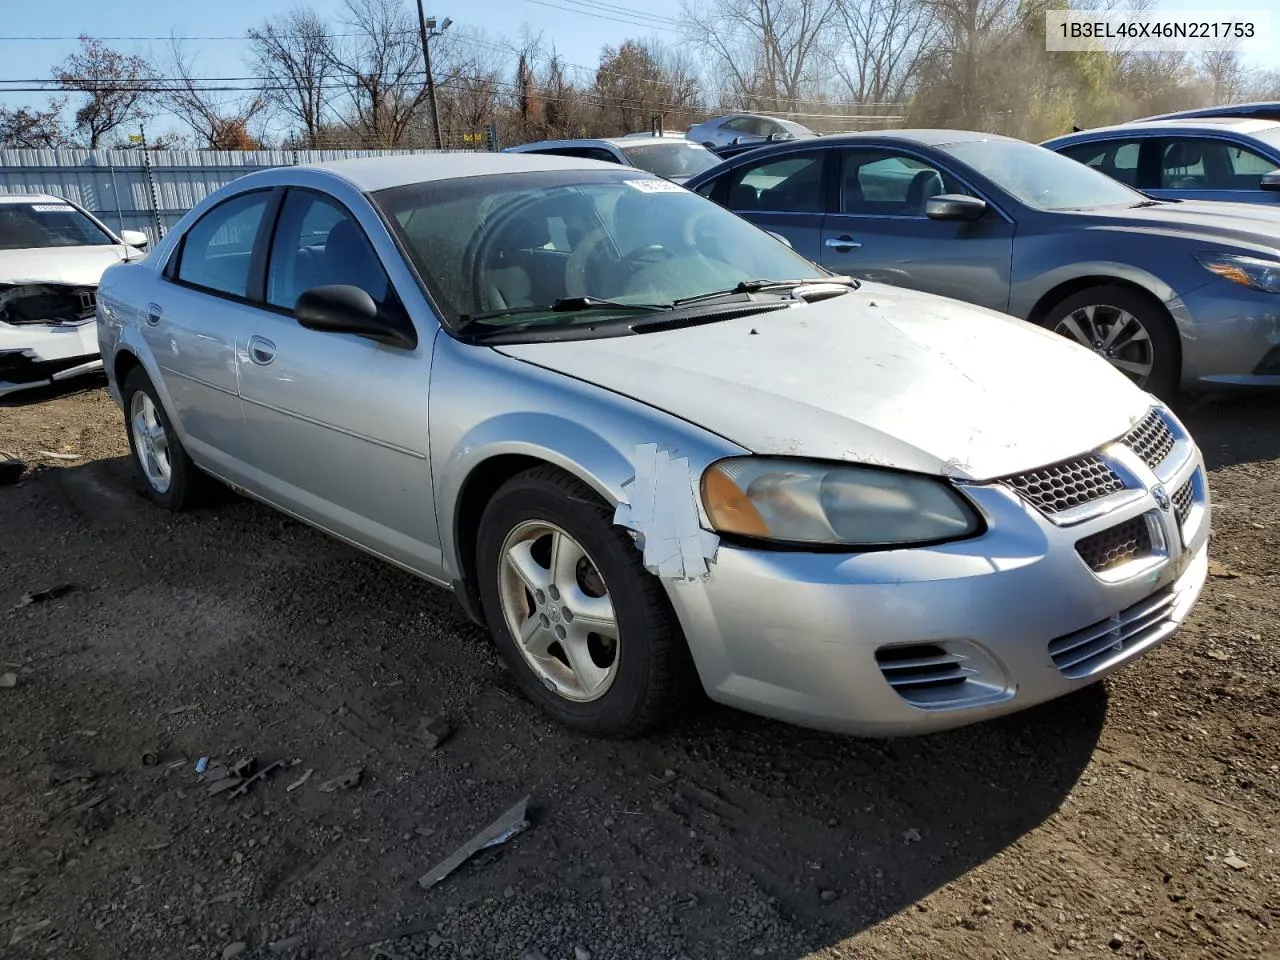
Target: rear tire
{"points": [[1138, 334], [546, 545], [169, 478]]}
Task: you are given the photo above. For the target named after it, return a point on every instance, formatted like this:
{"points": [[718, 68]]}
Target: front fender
{"points": [[1027, 293], [485, 405]]}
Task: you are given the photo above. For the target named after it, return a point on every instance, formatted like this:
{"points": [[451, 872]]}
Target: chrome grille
{"points": [[921, 672], [1182, 501], [1151, 440], [1102, 644], [1116, 545], [1068, 484]]}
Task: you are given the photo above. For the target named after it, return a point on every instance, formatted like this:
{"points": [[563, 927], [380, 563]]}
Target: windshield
{"points": [[1041, 178], [670, 160], [527, 240], [24, 226]]}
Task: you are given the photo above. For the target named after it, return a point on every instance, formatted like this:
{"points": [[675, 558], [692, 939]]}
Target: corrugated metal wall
{"points": [[117, 187]]}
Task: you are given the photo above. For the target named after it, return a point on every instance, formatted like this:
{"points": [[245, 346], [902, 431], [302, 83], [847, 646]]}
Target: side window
{"points": [[217, 251], [317, 243], [1248, 168], [889, 184], [792, 184], [1118, 159]]}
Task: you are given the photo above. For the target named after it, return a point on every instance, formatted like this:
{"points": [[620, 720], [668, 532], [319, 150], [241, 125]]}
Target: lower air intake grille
{"points": [[1116, 545], [923, 672], [1182, 502], [1151, 440], [1104, 643], [1065, 485]]}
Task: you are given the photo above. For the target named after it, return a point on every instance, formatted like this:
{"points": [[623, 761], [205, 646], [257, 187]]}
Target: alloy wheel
{"points": [[150, 441], [1114, 334], [557, 607]]}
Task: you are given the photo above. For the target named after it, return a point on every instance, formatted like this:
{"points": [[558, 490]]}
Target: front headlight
{"points": [[1252, 272], [804, 502]]}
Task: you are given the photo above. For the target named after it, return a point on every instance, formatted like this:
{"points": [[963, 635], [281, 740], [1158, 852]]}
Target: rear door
{"points": [[1213, 168], [337, 423], [877, 229], [783, 194], [199, 311]]}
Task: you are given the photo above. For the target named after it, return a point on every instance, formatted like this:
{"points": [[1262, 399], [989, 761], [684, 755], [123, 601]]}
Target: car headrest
{"points": [[1182, 155]]}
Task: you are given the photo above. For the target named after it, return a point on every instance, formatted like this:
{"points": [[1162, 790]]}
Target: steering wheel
{"points": [[588, 258]]}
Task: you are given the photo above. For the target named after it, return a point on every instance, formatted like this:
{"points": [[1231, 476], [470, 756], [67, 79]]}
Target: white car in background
{"points": [[52, 254]]}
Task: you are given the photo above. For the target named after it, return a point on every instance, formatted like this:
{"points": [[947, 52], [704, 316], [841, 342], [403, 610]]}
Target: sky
{"points": [[577, 29]]}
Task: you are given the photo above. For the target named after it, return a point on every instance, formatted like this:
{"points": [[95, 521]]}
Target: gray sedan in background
{"points": [[652, 448], [1175, 294]]}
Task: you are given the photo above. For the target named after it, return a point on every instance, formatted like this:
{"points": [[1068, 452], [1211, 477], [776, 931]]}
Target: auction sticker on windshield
{"points": [[51, 208], [654, 186]]}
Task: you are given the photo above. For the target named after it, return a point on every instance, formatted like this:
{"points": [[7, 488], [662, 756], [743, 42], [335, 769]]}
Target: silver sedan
{"points": [[652, 448]]}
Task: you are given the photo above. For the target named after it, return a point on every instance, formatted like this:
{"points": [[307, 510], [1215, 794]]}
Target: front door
{"points": [[193, 324], [1206, 168], [338, 423], [877, 230]]}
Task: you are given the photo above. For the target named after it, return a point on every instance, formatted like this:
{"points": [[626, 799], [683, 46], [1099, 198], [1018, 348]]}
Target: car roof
{"points": [[1242, 125], [922, 137], [30, 198], [1224, 110], [370, 174], [627, 140]]}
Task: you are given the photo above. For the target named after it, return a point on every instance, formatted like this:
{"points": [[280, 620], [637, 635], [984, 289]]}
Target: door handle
{"points": [[843, 243], [153, 313], [261, 350]]}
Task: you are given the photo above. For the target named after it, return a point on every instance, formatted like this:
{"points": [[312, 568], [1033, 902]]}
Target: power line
{"points": [[608, 10], [602, 16]]}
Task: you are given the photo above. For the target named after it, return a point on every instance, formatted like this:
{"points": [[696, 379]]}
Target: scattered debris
{"points": [[8, 680], [581, 953], [185, 708], [227, 897], [1117, 941], [667, 776], [58, 456], [435, 731], [11, 471], [508, 825], [261, 774], [1235, 862], [1220, 655], [58, 777], [911, 835], [24, 931], [150, 758], [233, 950], [829, 896], [285, 945], [345, 781], [300, 781], [89, 804], [50, 593], [1221, 571], [202, 765], [224, 784]]}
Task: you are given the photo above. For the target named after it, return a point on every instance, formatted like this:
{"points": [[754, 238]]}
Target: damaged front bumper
{"points": [[48, 333]]}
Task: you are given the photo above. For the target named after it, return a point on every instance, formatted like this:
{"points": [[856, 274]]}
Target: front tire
{"points": [[1128, 331], [588, 632], [169, 478]]}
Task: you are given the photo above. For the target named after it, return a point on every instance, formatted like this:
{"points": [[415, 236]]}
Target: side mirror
{"points": [[134, 238], [338, 308], [954, 206], [779, 237], [1270, 181]]}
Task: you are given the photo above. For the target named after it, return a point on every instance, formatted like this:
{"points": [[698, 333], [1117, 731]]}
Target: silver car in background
{"points": [[652, 448], [745, 127], [671, 157]]}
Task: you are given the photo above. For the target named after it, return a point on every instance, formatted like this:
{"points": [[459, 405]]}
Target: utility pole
{"points": [[427, 30]]}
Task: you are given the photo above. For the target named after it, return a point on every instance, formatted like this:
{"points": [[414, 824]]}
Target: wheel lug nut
{"points": [[541, 597], [544, 621], [554, 591], [560, 631], [567, 614]]}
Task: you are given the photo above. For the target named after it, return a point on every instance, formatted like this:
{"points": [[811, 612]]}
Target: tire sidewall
{"points": [[136, 382], [530, 499], [1166, 369]]}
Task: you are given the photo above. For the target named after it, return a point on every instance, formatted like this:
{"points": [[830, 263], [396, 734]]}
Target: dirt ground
{"points": [[1138, 819]]}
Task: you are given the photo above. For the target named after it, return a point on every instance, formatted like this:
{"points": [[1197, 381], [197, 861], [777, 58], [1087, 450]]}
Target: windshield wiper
{"points": [[563, 305], [1145, 203], [764, 286]]}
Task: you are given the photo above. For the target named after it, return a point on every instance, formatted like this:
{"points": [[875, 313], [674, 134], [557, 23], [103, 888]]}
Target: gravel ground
{"points": [[1137, 819]]}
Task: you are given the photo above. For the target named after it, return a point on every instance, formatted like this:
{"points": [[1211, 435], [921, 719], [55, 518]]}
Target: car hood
{"points": [[879, 376], [78, 265], [1221, 224]]}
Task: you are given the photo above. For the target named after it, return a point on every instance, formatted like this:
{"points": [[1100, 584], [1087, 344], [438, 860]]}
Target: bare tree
{"points": [[767, 52], [468, 85], [882, 42], [25, 128], [294, 56], [218, 118], [1225, 73], [108, 87], [380, 64]]}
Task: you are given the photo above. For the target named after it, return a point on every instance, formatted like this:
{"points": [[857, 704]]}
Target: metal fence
{"points": [[146, 190]]}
